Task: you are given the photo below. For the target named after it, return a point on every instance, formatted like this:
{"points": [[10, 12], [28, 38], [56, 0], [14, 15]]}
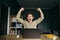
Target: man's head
{"points": [[30, 17]]}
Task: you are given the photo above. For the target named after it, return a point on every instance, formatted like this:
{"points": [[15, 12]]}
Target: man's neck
{"points": [[30, 21]]}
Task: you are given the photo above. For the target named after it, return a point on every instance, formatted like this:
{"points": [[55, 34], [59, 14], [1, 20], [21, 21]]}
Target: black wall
{"points": [[0, 14], [4, 16], [4, 4]]}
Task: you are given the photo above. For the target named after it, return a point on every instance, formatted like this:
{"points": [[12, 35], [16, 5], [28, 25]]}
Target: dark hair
{"points": [[29, 13]]}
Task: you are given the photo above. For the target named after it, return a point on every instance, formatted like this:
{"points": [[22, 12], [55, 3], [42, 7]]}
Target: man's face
{"points": [[30, 17]]}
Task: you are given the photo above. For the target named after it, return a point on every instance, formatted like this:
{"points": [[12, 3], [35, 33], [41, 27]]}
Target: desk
{"points": [[10, 37], [49, 37]]}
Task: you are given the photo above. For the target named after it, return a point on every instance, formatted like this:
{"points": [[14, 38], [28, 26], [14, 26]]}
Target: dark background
{"points": [[50, 8]]}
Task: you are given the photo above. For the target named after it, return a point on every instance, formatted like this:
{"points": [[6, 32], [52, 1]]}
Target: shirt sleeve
{"points": [[38, 20], [21, 20], [18, 17]]}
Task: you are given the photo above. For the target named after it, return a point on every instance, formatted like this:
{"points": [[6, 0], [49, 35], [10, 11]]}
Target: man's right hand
{"points": [[22, 9]]}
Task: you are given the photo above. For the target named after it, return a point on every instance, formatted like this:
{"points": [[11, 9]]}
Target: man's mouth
{"points": [[29, 19]]}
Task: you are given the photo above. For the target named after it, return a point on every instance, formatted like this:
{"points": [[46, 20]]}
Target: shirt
{"points": [[30, 25]]}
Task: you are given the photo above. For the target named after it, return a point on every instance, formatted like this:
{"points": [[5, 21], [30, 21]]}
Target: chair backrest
{"points": [[31, 33]]}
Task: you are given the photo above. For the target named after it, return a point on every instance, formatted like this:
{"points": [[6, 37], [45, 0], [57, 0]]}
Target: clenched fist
{"points": [[38, 9], [22, 9]]}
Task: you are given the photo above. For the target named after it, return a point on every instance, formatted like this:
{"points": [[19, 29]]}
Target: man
{"points": [[29, 23]]}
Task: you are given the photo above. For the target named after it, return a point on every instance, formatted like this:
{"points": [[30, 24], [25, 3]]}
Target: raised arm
{"points": [[19, 15], [41, 16]]}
